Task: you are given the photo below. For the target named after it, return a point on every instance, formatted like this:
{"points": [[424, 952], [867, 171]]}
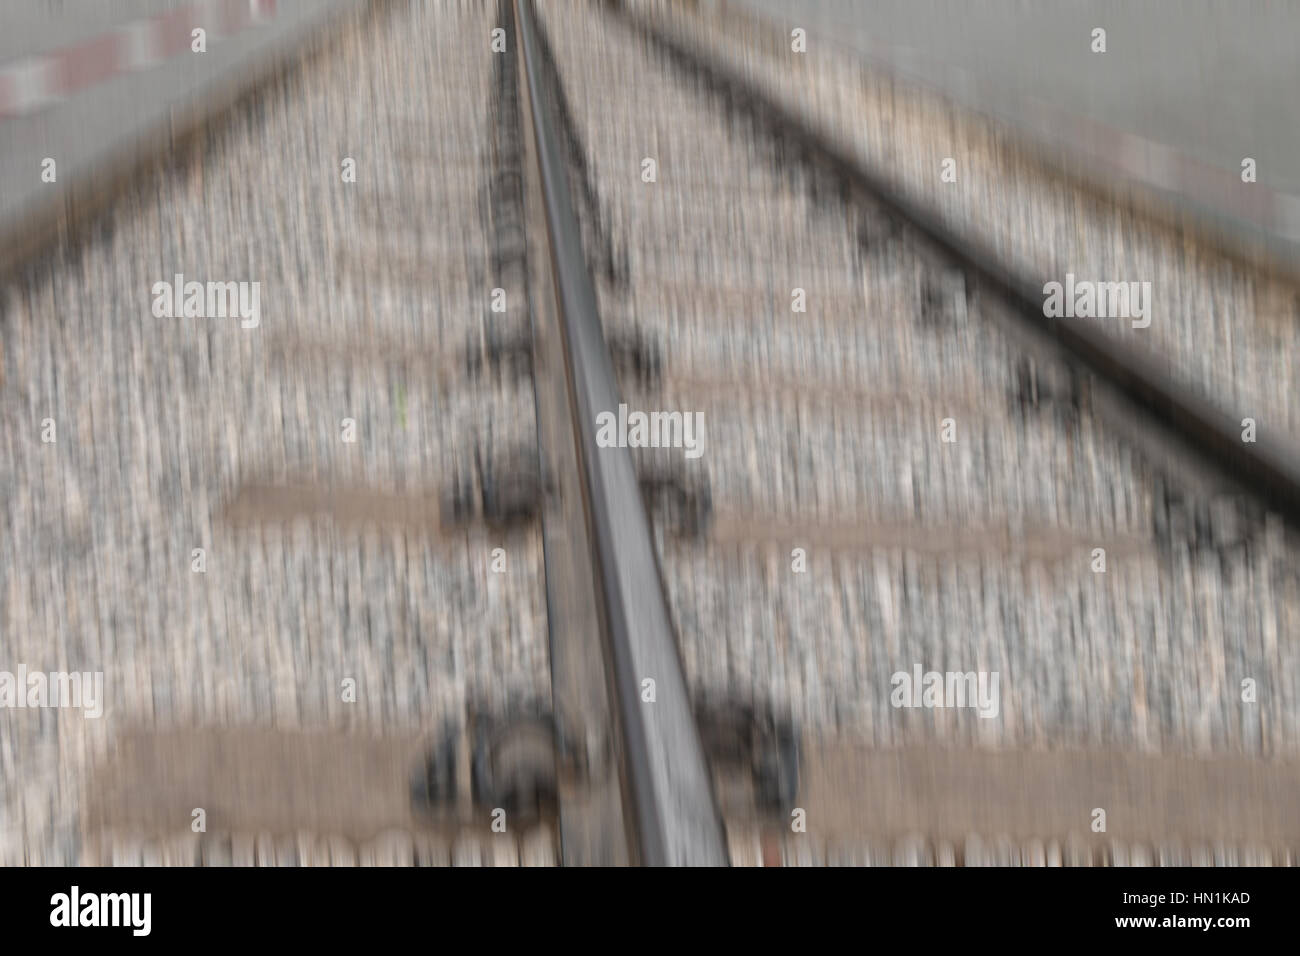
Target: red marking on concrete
{"points": [[88, 63], [8, 93], [30, 83], [174, 29]]}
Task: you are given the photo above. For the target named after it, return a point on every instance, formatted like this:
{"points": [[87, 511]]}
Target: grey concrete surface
{"points": [[105, 124]]}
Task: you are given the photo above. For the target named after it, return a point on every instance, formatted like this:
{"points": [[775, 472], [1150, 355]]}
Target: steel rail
{"points": [[669, 784]]}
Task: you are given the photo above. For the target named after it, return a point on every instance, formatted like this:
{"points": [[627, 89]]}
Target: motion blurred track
{"points": [[632, 598], [1270, 473]]}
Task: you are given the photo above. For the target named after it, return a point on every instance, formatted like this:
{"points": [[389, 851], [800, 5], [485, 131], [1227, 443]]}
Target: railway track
{"points": [[830, 333], [474, 633], [348, 505]]}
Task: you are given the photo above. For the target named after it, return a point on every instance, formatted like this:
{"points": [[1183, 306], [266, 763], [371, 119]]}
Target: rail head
{"points": [[668, 776]]}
